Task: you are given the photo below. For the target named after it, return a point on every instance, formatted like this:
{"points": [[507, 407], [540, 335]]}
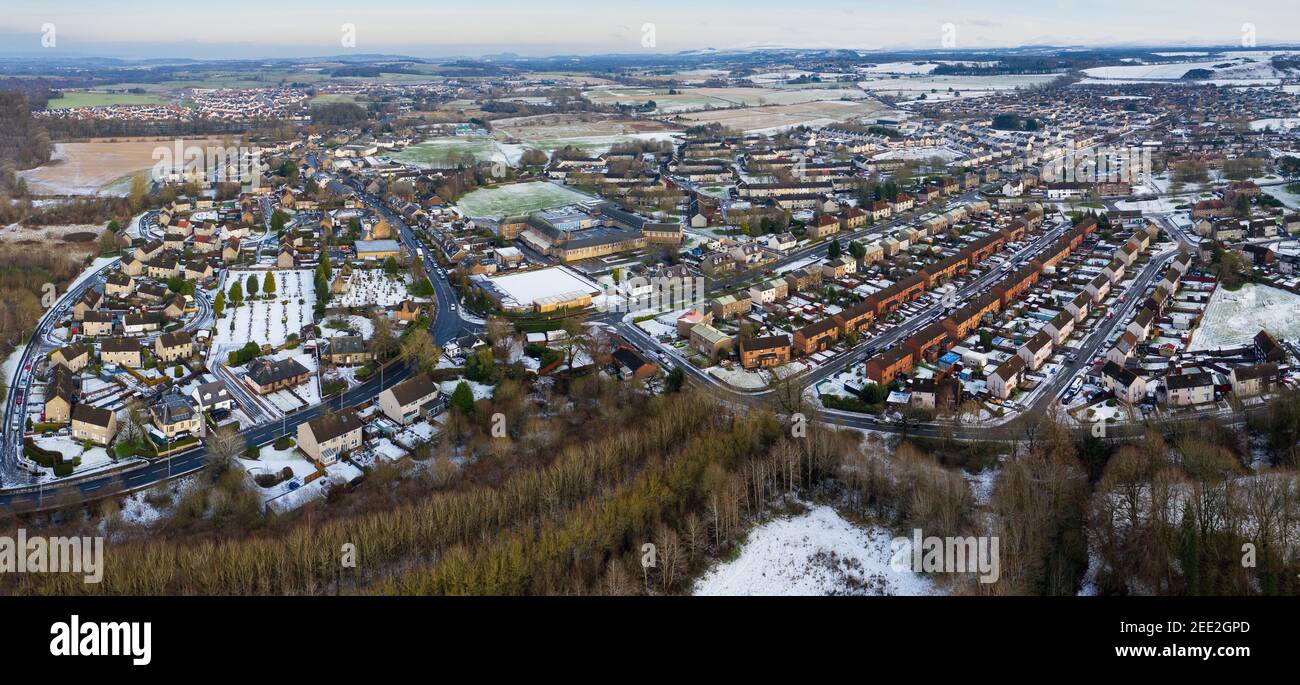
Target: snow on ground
{"points": [[947, 154], [814, 553], [481, 390], [1275, 124], [371, 287], [137, 510], [657, 328], [740, 377], [1233, 318], [901, 68], [71, 449], [336, 475], [1103, 411], [10, 368], [99, 263], [1244, 69], [387, 449], [303, 395], [360, 324], [1162, 205], [267, 321]]}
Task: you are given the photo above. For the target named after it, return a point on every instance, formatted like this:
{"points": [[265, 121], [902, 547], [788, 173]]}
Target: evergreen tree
{"points": [[251, 287], [675, 380], [268, 285], [462, 398]]}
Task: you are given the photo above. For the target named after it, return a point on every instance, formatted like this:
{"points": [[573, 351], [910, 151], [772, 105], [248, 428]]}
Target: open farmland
{"points": [[73, 99], [595, 134], [96, 167], [517, 198], [450, 151], [780, 117], [688, 99], [938, 86]]}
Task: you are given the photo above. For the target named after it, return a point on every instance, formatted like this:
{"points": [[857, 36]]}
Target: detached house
{"points": [[347, 350], [175, 418], [210, 396], [265, 376]]}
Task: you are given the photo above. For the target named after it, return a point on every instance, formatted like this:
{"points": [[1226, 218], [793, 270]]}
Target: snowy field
{"points": [[909, 68], [373, 287], [267, 321], [518, 198], [1241, 67], [1233, 318], [1275, 124], [815, 553]]}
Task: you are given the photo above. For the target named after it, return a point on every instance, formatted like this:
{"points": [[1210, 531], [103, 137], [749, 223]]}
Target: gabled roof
{"points": [[330, 426], [1188, 380], [175, 339], [120, 345], [1122, 375], [94, 416], [414, 389], [265, 371], [770, 342]]}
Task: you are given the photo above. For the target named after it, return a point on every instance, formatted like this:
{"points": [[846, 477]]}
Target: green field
{"points": [[81, 98], [450, 151], [517, 198]]}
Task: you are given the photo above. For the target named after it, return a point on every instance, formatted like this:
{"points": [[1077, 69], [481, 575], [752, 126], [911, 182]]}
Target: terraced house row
{"points": [[938, 337], [822, 334]]}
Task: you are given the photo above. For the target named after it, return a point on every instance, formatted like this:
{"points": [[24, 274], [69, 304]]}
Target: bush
{"points": [[253, 452], [44, 457], [64, 469], [284, 443], [849, 404]]}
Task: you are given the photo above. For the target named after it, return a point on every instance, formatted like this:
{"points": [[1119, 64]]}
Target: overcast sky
{"points": [[425, 28]]}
